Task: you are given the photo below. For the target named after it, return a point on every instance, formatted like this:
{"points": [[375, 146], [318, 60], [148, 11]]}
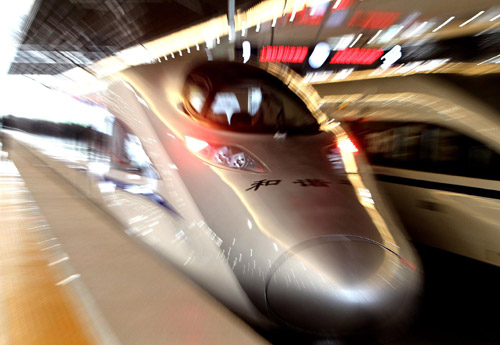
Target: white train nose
{"points": [[341, 286]]}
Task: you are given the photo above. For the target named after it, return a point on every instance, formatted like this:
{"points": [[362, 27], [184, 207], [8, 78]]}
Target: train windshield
{"points": [[250, 106]]}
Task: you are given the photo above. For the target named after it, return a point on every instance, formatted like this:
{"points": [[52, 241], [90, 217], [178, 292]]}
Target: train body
{"points": [[225, 172], [434, 143]]}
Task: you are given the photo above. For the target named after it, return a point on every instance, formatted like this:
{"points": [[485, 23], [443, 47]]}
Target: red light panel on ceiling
{"points": [[356, 56], [289, 54], [304, 17], [373, 19], [311, 20]]}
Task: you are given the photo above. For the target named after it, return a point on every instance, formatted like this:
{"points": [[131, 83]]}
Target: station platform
{"points": [[69, 275]]}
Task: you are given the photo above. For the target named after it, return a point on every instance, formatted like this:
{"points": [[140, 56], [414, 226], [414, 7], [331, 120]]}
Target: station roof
{"points": [[63, 34]]}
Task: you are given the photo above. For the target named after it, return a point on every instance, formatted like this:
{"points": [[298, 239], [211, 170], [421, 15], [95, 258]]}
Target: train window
{"points": [[127, 153], [259, 108], [425, 147], [239, 100], [237, 97], [242, 102], [197, 92]]}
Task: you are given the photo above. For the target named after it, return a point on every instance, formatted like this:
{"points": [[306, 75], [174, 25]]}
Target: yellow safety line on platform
{"points": [[36, 309]]}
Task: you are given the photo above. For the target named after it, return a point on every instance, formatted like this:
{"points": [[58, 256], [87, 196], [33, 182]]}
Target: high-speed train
{"points": [[229, 172], [434, 142]]}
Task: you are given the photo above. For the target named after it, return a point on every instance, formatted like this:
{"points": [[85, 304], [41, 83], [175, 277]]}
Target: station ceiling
{"points": [[63, 34]]}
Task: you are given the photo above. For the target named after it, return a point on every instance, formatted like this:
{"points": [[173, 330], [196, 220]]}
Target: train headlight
{"points": [[338, 155], [225, 156], [346, 145]]}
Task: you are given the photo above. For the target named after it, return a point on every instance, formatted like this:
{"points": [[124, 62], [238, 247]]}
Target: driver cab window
{"points": [[245, 102], [259, 108], [242, 102]]}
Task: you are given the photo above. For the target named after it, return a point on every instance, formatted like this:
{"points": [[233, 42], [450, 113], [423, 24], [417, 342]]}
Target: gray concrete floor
{"points": [[142, 299], [147, 302]]}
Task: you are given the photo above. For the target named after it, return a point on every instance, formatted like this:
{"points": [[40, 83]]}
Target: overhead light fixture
{"points": [[391, 57], [134, 56], [396, 69], [318, 76], [446, 22], [294, 12], [344, 42], [431, 64], [319, 55], [471, 19], [391, 33], [343, 74], [374, 37], [490, 60], [247, 51], [417, 31], [243, 29], [209, 43], [355, 41], [495, 18], [410, 66]]}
